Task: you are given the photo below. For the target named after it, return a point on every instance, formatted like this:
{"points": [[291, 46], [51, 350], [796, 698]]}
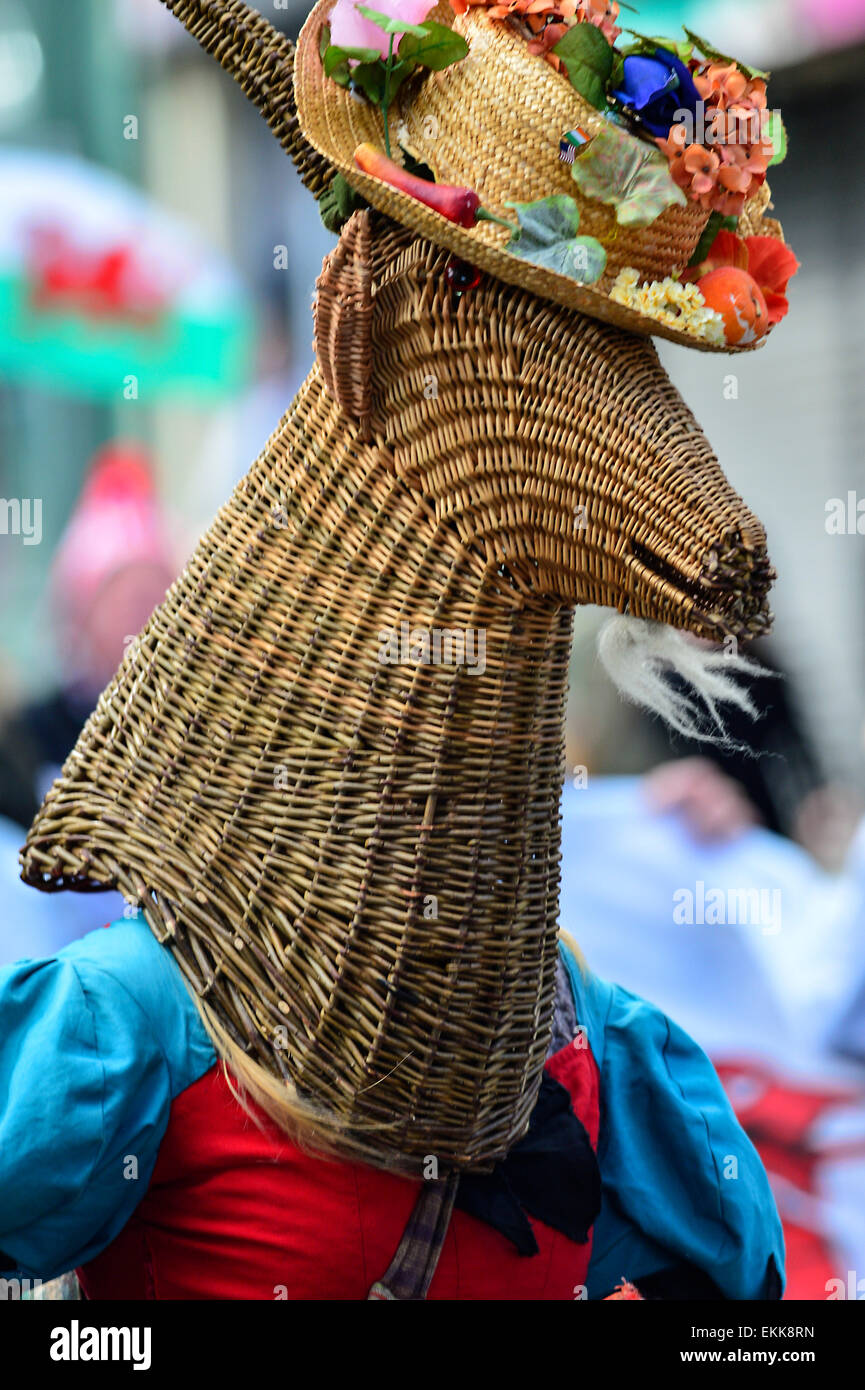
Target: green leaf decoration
{"points": [[338, 202], [388, 23], [548, 237], [369, 78], [588, 60], [436, 47], [714, 56], [777, 133], [369, 75], [634, 177], [431, 45], [323, 41], [398, 74], [716, 223], [645, 44], [335, 61], [341, 75]]}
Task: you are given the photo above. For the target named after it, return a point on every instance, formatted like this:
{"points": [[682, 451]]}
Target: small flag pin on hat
{"points": [[572, 143]]}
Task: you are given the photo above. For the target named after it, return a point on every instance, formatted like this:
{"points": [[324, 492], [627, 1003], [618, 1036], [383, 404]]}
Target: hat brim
{"points": [[335, 122]]}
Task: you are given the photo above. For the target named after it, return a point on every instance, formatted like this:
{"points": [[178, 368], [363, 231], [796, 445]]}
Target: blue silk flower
{"points": [[657, 88]]}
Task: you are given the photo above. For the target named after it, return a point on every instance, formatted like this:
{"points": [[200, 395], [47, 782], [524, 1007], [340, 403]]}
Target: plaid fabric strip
{"points": [[411, 1270]]}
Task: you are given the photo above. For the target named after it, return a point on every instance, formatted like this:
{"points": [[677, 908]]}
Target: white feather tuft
{"points": [[639, 655]]}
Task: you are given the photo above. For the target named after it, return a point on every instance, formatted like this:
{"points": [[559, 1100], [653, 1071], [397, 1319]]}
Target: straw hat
{"points": [[494, 121]]}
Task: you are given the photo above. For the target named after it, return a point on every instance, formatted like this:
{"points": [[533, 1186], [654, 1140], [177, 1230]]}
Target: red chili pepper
{"points": [[460, 205]]}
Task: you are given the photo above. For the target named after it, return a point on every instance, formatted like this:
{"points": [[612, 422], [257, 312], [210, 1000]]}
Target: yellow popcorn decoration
{"points": [[670, 302]]}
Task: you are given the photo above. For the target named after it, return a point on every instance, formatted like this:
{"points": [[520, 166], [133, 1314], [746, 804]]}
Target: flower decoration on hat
{"points": [[375, 50], [654, 87], [764, 259], [545, 22], [731, 161], [351, 26], [665, 128]]}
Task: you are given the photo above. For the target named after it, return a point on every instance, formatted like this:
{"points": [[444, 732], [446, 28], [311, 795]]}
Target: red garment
{"points": [[778, 1115], [234, 1212]]}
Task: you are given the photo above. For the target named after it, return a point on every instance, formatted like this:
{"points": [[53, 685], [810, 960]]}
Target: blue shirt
{"points": [[98, 1040], [680, 1179]]}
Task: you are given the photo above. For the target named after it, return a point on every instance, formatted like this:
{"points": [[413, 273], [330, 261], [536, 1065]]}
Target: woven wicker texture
{"points": [[494, 121], [354, 860], [343, 319]]}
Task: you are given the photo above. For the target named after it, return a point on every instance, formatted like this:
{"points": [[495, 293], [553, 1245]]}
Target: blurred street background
{"points": [[157, 262]]}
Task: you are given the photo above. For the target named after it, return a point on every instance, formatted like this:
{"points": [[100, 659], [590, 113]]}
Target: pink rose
{"points": [[350, 29]]}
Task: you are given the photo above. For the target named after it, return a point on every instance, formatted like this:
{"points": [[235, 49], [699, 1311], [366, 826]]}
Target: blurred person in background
{"points": [[774, 765], [111, 569], [765, 771], [763, 967]]}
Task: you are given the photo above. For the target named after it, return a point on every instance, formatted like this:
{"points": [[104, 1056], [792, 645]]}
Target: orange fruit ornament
{"points": [[736, 296]]}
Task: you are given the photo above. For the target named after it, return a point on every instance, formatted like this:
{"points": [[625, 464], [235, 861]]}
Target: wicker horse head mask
{"points": [[329, 768]]}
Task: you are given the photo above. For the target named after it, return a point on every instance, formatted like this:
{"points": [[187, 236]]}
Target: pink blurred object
{"points": [[112, 567], [117, 523], [839, 22], [350, 29]]}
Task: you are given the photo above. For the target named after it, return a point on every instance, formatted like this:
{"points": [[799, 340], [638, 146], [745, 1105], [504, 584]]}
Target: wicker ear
{"points": [[343, 318]]}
